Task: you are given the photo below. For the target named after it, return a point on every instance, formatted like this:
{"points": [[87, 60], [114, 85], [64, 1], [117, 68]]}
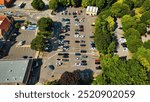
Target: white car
{"points": [[76, 36], [82, 36], [77, 64], [21, 43], [122, 40]]}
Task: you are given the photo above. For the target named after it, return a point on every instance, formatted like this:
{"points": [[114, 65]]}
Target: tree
{"points": [[143, 56], [17, 25], [119, 9], [133, 43], [65, 2], [146, 5], [53, 4], [45, 24], [128, 22], [76, 3], [100, 4], [70, 78], [37, 43], [138, 3], [132, 31], [45, 33], [141, 27], [85, 3], [147, 44], [119, 72], [38, 4], [145, 18]]}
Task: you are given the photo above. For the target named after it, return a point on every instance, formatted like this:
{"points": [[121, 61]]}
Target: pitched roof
{"points": [[2, 2], [4, 23]]}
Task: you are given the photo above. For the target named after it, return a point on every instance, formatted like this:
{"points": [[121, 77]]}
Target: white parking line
{"points": [[52, 55]]}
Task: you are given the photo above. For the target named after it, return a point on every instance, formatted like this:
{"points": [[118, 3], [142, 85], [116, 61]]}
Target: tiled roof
{"points": [[4, 23], [3, 1]]}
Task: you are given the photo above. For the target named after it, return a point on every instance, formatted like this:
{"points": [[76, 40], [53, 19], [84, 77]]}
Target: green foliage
{"points": [[132, 31], [17, 26], [119, 9], [45, 24], [85, 3], [118, 72], [133, 43], [111, 23], [147, 44], [141, 27], [65, 2], [146, 5], [38, 4], [145, 18], [45, 33], [55, 82], [128, 22], [76, 3], [100, 4], [138, 3], [37, 43], [143, 56], [53, 4]]}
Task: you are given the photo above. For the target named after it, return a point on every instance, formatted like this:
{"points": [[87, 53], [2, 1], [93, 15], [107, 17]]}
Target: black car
{"points": [[124, 45], [60, 54], [91, 36], [83, 51], [83, 61], [83, 45], [61, 37], [77, 54], [83, 64], [24, 57], [51, 67], [65, 56], [67, 34], [98, 68], [77, 41]]}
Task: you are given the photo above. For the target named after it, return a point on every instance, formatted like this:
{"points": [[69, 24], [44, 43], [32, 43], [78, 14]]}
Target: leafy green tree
{"points": [[45, 24], [138, 3], [53, 4], [130, 3], [147, 44], [45, 33], [17, 25], [119, 10], [133, 43], [143, 56], [132, 31], [76, 3], [119, 72], [146, 5], [85, 3], [38, 4], [141, 27], [128, 22], [37, 43], [65, 2], [100, 4], [145, 18]]}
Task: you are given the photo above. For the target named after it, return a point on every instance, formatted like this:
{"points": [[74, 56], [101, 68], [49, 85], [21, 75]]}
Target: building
{"points": [[15, 72], [6, 26], [6, 3], [92, 11]]}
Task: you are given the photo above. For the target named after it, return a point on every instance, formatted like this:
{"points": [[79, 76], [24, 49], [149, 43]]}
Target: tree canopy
{"points": [[53, 4], [38, 4], [45, 24]]}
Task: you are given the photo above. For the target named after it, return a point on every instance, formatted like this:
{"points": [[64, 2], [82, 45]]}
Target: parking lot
{"points": [[22, 51], [75, 48]]}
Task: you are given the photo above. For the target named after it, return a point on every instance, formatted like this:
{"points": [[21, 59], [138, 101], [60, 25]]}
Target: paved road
{"points": [[50, 58]]}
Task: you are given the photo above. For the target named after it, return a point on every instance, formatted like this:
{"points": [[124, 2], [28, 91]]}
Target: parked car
{"points": [[22, 42], [51, 67], [98, 68], [83, 45], [77, 54], [83, 51], [81, 28]]}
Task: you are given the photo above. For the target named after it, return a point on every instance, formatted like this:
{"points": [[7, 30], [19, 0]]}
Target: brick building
{"points": [[6, 26]]}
